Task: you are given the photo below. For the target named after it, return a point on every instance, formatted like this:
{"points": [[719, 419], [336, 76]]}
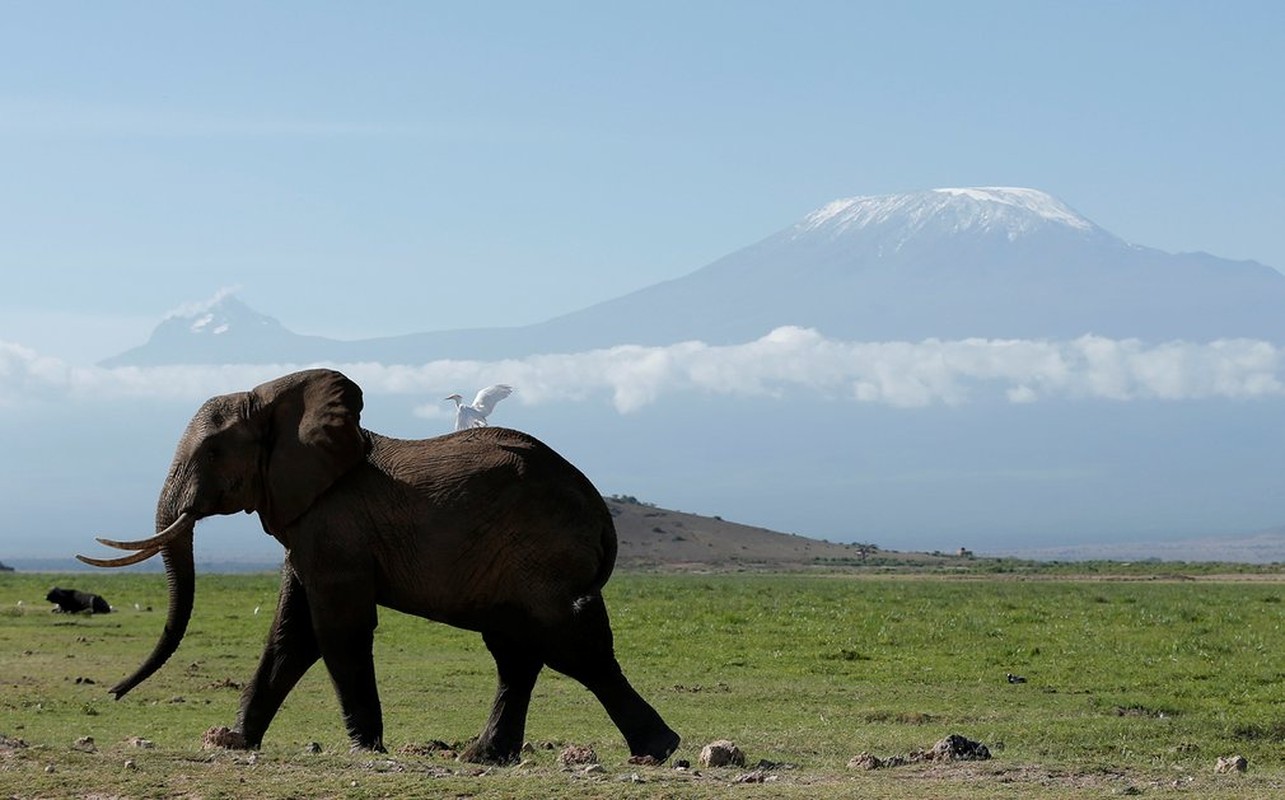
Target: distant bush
{"points": [[630, 500]]}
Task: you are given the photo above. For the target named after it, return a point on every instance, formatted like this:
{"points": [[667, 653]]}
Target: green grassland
{"points": [[1133, 686]]}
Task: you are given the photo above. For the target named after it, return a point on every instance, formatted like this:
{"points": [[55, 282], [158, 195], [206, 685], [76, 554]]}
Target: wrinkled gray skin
{"points": [[486, 529]]}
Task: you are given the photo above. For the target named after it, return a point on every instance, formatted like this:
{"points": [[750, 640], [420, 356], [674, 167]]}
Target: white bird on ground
{"points": [[474, 415]]}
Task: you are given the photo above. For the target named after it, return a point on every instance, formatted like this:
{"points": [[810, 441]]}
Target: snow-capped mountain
{"points": [[224, 330], [1012, 212], [947, 263], [950, 263]]}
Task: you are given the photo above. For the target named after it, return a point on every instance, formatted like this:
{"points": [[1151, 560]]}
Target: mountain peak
{"points": [[1011, 211], [222, 330], [221, 315]]}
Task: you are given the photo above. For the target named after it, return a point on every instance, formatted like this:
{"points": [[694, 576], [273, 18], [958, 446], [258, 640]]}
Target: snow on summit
{"points": [[1011, 210], [1033, 200]]}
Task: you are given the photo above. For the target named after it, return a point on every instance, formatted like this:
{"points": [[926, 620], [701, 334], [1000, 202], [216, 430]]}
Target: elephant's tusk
{"points": [[123, 561], [157, 541]]}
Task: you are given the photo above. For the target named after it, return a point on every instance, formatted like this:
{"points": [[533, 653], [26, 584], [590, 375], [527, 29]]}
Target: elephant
{"points": [[74, 601], [487, 529]]}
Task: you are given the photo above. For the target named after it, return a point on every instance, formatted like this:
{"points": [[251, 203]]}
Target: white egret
{"points": [[474, 415]]}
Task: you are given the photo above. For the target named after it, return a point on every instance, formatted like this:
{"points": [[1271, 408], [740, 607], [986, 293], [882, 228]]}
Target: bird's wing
{"points": [[488, 397]]}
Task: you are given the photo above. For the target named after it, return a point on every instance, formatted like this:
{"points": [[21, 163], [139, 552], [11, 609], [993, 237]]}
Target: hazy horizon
{"points": [[361, 172]]}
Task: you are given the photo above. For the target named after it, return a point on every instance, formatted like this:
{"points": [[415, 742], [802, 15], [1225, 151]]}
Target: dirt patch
{"points": [[226, 683], [436, 747], [224, 737], [952, 748], [10, 745], [577, 755]]}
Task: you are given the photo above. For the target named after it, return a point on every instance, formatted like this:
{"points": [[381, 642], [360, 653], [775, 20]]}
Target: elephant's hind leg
{"points": [[290, 650], [584, 651], [518, 667]]}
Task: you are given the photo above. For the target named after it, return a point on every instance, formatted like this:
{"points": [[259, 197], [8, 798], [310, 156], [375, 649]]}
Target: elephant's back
{"points": [[489, 457], [505, 510]]}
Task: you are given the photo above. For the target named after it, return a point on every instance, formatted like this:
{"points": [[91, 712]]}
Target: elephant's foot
{"points": [[375, 745], [659, 746], [486, 752], [226, 738]]}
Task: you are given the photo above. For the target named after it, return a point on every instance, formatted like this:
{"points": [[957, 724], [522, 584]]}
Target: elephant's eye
{"points": [[213, 454]]}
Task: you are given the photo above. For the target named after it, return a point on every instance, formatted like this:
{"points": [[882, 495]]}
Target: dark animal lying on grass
{"points": [[71, 601]]}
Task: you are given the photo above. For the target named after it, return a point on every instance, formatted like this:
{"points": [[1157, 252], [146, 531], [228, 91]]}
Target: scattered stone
{"points": [[721, 753], [593, 769], [757, 776], [1231, 764], [312, 747], [49, 769], [528, 748], [957, 748], [223, 736], [575, 754], [138, 741], [682, 763], [86, 681], [85, 744], [130, 764], [644, 761], [1015, 678]]}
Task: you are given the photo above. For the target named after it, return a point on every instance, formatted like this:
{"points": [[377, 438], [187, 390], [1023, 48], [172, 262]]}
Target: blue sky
{"points": [[382, 168]]}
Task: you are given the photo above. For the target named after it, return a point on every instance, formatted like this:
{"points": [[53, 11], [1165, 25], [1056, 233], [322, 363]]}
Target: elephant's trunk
{"points": [[174, 542], [180, 575]]}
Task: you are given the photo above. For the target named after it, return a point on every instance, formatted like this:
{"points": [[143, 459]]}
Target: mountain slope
{"points": [[948, 263]]}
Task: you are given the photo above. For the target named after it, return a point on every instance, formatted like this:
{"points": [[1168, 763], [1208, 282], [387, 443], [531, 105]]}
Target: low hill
{"points": [[653, 538]]}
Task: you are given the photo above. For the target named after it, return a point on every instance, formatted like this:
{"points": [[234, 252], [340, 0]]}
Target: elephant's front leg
{"points": [[344, 621], [290, 650]]}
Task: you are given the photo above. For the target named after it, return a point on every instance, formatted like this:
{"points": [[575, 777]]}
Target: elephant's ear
{"points": [[313, 436]]}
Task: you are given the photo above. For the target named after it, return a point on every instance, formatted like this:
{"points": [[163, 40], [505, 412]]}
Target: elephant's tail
{"points": [[609, 548]]}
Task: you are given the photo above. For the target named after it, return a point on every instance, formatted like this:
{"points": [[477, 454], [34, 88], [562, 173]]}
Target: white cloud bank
{"points": [[788, 360]]}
